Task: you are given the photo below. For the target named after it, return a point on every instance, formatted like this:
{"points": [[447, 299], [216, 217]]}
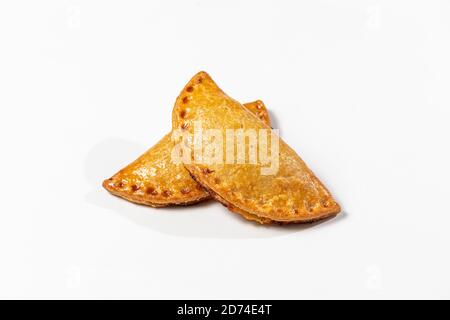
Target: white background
{"points": [[359, 88]]}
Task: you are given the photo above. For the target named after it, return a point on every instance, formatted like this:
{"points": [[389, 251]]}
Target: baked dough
{"points": [[291, 195], [154, 180]]}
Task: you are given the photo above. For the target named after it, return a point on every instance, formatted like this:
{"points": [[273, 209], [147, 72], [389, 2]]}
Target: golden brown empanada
{"points": [[154, 180], [291, 194]]}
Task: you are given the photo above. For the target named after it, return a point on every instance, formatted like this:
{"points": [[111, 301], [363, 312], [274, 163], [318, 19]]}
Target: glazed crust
{"points": [[237, 210], [154, 180], [292, 195]]}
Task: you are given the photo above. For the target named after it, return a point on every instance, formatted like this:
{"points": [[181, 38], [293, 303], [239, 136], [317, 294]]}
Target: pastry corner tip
{"points": [[335, 209], [202, 73], [200, 76], [108, 184]]}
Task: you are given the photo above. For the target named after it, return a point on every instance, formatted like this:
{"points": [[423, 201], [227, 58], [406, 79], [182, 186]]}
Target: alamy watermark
{"points": [[229, 146]]}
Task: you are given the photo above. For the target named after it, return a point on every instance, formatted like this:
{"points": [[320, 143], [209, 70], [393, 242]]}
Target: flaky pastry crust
{"points": [[292, 195]]}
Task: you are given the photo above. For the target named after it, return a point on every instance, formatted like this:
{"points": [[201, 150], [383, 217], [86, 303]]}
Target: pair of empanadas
{"points": [[289, 194]]}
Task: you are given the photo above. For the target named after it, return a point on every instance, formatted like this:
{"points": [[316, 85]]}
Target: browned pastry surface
{"points": [[154, 180], [292, 195]]}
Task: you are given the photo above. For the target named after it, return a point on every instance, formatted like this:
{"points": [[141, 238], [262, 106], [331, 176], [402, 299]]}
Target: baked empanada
{"points": [[154, 180], [290, 194]]}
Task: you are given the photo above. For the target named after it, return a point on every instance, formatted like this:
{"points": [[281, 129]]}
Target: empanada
{"points": [[291, 194], [154, 180]]}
